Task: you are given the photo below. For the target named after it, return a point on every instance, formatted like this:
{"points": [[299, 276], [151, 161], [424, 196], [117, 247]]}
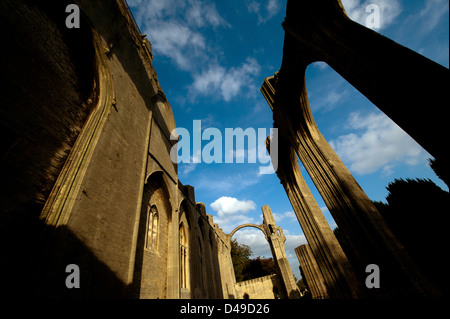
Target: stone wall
{"points": [[86, 164], [267, 287]]}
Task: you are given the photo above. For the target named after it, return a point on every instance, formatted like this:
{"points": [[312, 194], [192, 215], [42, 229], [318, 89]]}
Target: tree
{"points": [[240, 254], [259, 267], [246, 268], [440, 169], [415, 211]]}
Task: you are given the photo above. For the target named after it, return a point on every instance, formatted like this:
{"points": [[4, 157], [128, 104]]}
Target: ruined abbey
{"points": [[87, 177]]}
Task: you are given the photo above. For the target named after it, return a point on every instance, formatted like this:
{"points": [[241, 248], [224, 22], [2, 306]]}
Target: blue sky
{"points": [[212, 57]]}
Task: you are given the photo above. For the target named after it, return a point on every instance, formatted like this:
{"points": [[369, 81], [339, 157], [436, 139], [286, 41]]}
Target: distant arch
{"points": [[260, 227]]}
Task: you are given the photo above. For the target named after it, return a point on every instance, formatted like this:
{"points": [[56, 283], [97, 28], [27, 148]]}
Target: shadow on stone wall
{"points": [[35, 258]]}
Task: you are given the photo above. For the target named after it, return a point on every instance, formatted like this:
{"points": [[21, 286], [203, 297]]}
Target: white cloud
{"points": [[230, 205], [194, 159], [176, 31], [289, 216], [178, 42], [320, 65], [356, 10], [194, 13], [228, 83], [266, 170], [256, 240], [334, 97], [188, 168], [271, 8], [432, 13], [154, 9], [330, 98], [226, 183], [201, 14], [231, 212], [173, 28], [376, 143]]}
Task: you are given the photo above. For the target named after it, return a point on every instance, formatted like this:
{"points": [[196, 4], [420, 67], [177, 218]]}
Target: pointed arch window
{"points": [[152, 229]]}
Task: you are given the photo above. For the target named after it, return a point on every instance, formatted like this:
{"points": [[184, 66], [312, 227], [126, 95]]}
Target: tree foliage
{"points": [[440, 168], [259, 267], [240, 254], [416, 211], [246, 268]]}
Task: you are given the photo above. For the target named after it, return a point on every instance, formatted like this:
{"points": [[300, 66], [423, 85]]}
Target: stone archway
{"points": [[276, 239], [260, 227]]}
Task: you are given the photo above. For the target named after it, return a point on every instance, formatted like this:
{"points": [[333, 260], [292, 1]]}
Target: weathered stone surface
{"points": [[266, 287], [276, 241], [334, 267], [94, 184], [381, 69], [87, 177], [311, 273], [320, 31]]}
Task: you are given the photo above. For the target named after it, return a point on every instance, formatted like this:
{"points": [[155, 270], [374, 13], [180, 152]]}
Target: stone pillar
{"points": [[386, 73], [227, 271], [409, 88], [338, 276], [276, 241], [366, 231], [312, 275], [173, 257]]}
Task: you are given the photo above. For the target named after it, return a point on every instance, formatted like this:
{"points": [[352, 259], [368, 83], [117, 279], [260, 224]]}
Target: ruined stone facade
{"points": [[86, 164], [267, 287], [86, 167], [87, 177]]}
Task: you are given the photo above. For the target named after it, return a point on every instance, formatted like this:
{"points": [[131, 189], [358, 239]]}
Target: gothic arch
{"points": [[151, 264], [184, 210], [164, 180]]}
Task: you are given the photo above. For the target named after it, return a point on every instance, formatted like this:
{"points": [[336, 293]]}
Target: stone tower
{"points": [[276, 240]]}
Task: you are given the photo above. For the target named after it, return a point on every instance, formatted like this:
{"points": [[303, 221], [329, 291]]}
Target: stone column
{"points": [[227, 271], [311, 271], [366, 231], [409, 88], [337, 273], [399, 82], [276, 241], [173, 257]]}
